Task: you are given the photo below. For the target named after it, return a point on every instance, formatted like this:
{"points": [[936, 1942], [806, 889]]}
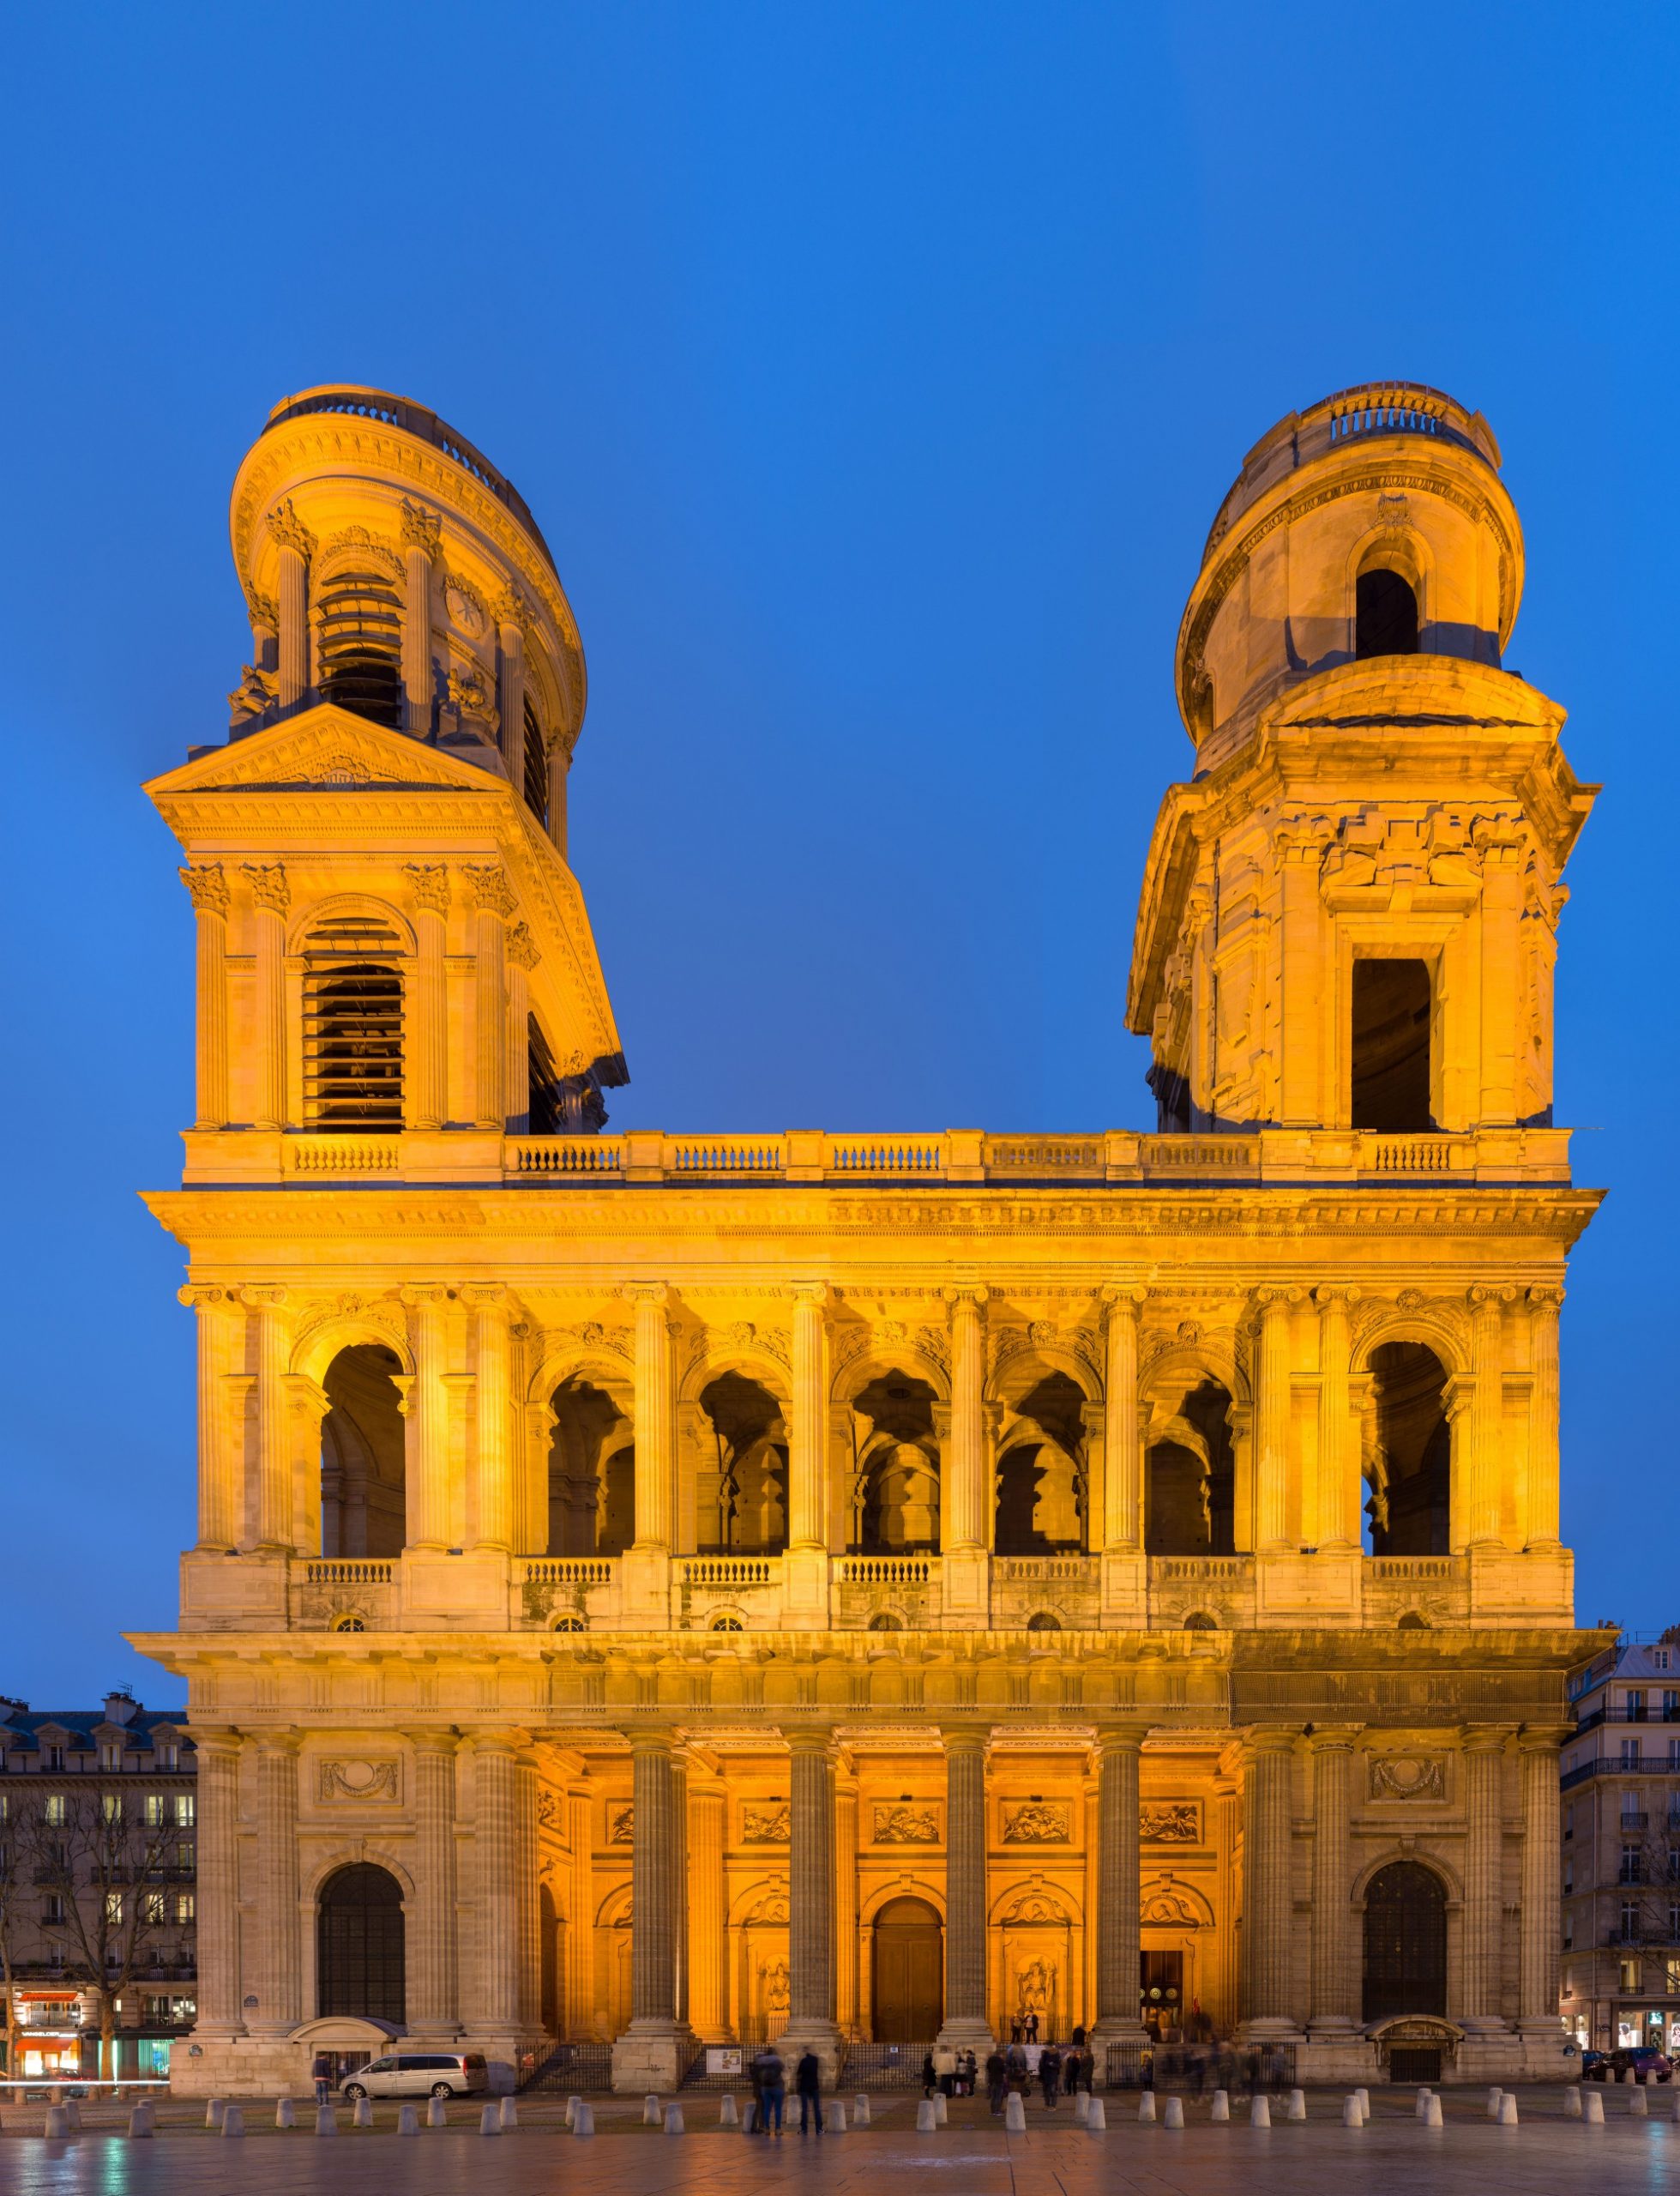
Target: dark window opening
{"points": [[536, 767], [896, 1505], [1405, 1943], [1386, 615], [591, 1470], [352, 1027], [358, 1946], [1190, 1476], [1390, 1049], [1408, 1455], [741, 1487], [560, 1105], [360, 620], [1040, 1493], [363, 1497]]}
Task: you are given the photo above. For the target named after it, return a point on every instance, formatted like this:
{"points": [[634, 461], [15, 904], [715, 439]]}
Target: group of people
{"points": [[769, 2076], [1060, 2072]]}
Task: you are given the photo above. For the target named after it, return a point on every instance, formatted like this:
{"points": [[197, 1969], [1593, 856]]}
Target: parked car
{"points": [[419, 2073], [1612, 2066]]}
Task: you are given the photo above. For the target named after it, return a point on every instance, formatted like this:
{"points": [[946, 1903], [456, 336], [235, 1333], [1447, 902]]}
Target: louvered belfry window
{"points": [[352, 1025], [536, 767], [359, 616]]}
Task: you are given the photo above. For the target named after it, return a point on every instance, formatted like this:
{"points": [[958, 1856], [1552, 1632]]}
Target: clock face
{"points": [[464, 614]]}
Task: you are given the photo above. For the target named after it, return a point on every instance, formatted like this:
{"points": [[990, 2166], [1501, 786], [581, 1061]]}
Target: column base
{"points": [[973, 2034], [966, 1589], [652, 2056], [805, 1590], [1485, 2025], [823, 2037], [1112, 2031], [644, 1587], [1275, 2028], [1332, 2028]]}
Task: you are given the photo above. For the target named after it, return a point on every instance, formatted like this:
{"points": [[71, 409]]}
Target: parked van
{"points": [[419, 2073]]}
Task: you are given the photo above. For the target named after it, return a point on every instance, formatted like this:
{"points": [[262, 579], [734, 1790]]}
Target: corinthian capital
{"points": [[268, 887], [422, 528], [207, 888], [522, 947], [289, 530], [487, 882], [429, 882]]}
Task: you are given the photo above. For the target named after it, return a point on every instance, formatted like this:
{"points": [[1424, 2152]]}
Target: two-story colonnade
{"points": [[661, 1591]]}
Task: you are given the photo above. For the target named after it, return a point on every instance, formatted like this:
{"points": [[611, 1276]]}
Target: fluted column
{"points": [[1119, 1967], [1484, 1757], [708, 2000], [493, 1412], [1123, 1442], [221, 1987], [580, 1976], [1227, 1826], [655, 1418], [679, 1887], [268, 1507], [559, 770], [421, 534], [510, 684], [1544, 1307], [1269, 1904], [1487, 1415], [811, 1906], [271, 896], [494, 904], [1542, 1869], [1332, 1752], [522, 958], [207, 889], [432, 1987], [1271, 1493], [652, 1920], [427, 1459], [221, 1476], [1338, 1521], [528, 1892], [277, 1966], [297, 547], [805, 1568], [496, 1886], [965, 2021], [847, 2014], [426, 1052], [963, 1505]]}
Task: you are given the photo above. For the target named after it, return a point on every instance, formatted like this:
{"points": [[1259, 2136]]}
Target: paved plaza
{"points": [[1468, 2157]]}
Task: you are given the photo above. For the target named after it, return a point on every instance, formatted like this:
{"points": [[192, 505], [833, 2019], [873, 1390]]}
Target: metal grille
{"points": [[358, 1945], [360, 620], [1174, 2066], [882, 2065], [353, 1027], [1405, 1943], [574, 2066]]}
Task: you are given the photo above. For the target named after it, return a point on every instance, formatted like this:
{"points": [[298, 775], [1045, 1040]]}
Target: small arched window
{"points": [[352, 1025], [359, 616], [536, 766], [1385, 614]]}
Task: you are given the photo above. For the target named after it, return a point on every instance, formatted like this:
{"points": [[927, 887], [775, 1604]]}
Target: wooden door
{"points": [[909, 1973]]}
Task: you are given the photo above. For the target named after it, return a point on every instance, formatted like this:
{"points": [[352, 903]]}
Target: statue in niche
{"points": [[775, 1990], [1035, 1990]]}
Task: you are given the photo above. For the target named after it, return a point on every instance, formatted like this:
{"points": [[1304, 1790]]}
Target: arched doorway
{"points": [[359, 1945], [909, 1970], [1405, 1942]]}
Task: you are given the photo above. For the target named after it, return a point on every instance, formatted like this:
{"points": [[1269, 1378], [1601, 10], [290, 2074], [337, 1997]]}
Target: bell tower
{"points": [[1349, 913]]}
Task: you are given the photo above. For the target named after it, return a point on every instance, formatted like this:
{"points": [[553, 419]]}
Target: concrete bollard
{"points": [[1637, 2105], [860, 2110], [1173, 2115], [233, 2121], [58, 2127], [1081, 2107], [1221, 2105], [1015, 2114], [1592, 2108], [1096, 2119], [1508, 2110], [926, 2120], [1364, 2097], [1494, 2096], [653, 2112], [834, 2119], [1677, 2106], [141, 2124], [583, 2122], [1260, 2113], [674, 2119], [1626, 2074], [437, 2111], [212, 2112], [729, 2114], [1351, 2114], [1296, 2107], [941, 2108], [1432, 2114], [490, 2119], [56, 2094], [73, 2106], [326, 2120], [286, 2112], [1146, 2105], [409, 2120], [509, 2113], [1422, 2101], [363, 2115], [1572, 2101]]}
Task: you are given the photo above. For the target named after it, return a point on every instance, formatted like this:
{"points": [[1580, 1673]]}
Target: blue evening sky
{"points": [[874, 372]]}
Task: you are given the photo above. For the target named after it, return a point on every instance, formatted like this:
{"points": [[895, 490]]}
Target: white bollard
{"points": [[286, 2112], [1626, 2074], [1364, 2097], [1572, 2101], [941, 2108], [674, 2119], [58, 2127], [1096, 2119], [1296, 2107], [729, 2114], [860, 2110], [1592, 2108], [653, 2112], [233, 2121], [1351, 2114], [73, 2106], [212, 2112], [1015, 2114], [1508, 2110], [509, 2113], [363, 2115], [583, 2120], [1432, 2114], [1081, 2107], [1422, 2101], [1221, 2105], [1173, 2116], [326, 2122], [1494, 2096], [1260, 2113], [490, 2119], [56, 2094], [1146, 2105], [834, 2119], [926, 2120], [409, 2120], [140, 2123], [1637, 2105], [1677, 2106], [437, 2111]]}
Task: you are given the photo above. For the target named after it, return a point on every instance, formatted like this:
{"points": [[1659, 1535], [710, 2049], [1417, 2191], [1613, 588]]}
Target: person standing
{"points": [[807, 2087], [998, 2080], [774, 2092], [321, 2074], [1049, 2073]]}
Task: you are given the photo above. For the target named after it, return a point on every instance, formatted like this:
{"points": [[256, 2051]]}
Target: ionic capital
{"points": [[648, 1292], [1124, 1299], [1486, 1296], [266, 1298], [486, 1295], [197, 1298], [812, 1295], [1332, 1292], [1547, 1299]]}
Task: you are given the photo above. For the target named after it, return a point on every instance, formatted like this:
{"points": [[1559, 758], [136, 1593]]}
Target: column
{"points": [[220, 1990], [277, 1976], [966, 2022], [811, 1900], [421, 532], [1338, 1515], [1118, 1965], [655, 1418], [271, 895], [496, 1889], [1122, 1444], [965, 1488], [296, 547], [581, 1980], [220, 1478], [806, 1567], [1487, 1415], [1542, 1891], [207, 889], [268, 1510], [430, 1946], [1268, 1917], [652, 1918], [1330, 1999], [426, 1052], [559, 770], [493, 901], [1502, 855], [522, 958], [679, 1887], [527, 1896], [510, 684], [1544, 1307], [1483, 1758], [708, 2002], [1227, 1825], [493, 1407], [1271, 1493], [427, 1458], [1299, 853], [847, 2015]]}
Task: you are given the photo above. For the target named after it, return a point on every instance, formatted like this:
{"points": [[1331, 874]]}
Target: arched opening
{"points": [[1385, 614], [741, 1491], [1043, 1620], [591, 1471], [1040, 1493], [359, 615], [1190, 1476], [1389, 1048], [1408, 1452], [352, 1025], [536, 766], [364, 1501], [895, 1500], [358, 1945], [1405, 1942], [909, 1971]]}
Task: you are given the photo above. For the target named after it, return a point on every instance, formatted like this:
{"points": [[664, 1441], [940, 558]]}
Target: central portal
{"points": [[909, 1967]]}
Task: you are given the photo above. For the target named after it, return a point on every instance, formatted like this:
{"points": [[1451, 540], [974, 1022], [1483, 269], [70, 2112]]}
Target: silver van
{"points": [[419, 2073]]}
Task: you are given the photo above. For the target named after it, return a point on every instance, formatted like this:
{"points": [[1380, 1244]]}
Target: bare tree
{"points": [[16, 1886]]}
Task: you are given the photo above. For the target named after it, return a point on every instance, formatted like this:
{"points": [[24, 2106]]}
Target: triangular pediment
{"points": [[329, 749]]}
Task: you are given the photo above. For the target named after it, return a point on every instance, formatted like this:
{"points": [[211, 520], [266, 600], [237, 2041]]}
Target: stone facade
{"points": [[845, 1586]]}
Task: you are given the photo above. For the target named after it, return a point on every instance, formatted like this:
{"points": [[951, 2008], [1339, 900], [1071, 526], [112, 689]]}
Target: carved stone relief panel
{"points": [[336, 1781], [771, 1825], [1170, 1822], [1036, 1822], [896, 1823], [1407, 1776]]}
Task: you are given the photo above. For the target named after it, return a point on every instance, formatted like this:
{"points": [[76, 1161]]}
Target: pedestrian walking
{"points": [[807, 2087], [930, 2075]]}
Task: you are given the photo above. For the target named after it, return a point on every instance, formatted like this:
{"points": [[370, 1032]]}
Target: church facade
{"points": [[655, 1591]]}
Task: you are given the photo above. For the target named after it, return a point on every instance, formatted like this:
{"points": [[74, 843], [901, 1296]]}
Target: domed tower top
{"points": [[389, 567], [1372, 524]]}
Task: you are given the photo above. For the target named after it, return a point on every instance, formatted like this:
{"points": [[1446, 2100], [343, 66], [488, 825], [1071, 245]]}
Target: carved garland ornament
{"points": [[357, 1780], [1407, 1776]]}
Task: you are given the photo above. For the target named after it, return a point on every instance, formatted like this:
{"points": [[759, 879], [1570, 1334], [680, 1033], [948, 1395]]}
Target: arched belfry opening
{"points": [[742, 1495], [358, 620], [1190, 1472], [1405, 1967], [1408, 1444], [1041, 1479], [895, 1488], [591, 1469], [364, 1501], [353, 1024], [359, 1948], [1385, 621]]}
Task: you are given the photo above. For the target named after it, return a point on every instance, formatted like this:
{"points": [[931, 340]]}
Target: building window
{"points": [[1670, 1705], [185, 1859], [352, 1025], [536, 767], [1630, 1918], [1628, 1970], [1385, 615], [169, 1756], [1671, 1977], [54, 1811], [1389, 1047], [153, 1907], [186, 1906], [186, 1810], [111, 1757], [1568, 1879], [360, 641], [1569, 1820], [1568, 1932], [52, 1910], [1635, 1705], [1630, 1753], [1631, 1871], [55, 1757], [1674, 1753], [113, 1909], [155, 1816], [110, 1807]]}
